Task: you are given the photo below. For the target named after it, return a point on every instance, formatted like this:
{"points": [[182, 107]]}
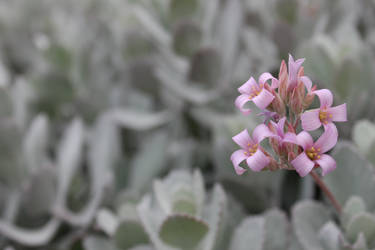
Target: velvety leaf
{"points": [[353, 206], [276, 230], [308, 218], [329, 235], [364, 135], [130, 234], [183, 231], [351, 166], [249, 235], [361, 223], [98, 243]]}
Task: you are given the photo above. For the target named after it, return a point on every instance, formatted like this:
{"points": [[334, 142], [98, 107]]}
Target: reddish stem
{"points": [[326, 190]]}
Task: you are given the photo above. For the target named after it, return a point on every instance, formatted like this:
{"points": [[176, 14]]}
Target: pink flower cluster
{"points": [[284, 103]]}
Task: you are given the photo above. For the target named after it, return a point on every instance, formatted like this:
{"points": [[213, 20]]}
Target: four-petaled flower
{"points": [[252, 91], [278, 130], [313, 119], [251, 150], [313, 153]]}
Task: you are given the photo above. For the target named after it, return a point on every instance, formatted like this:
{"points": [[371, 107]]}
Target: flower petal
{"points": [[325, 97], [293, 70], [310, 120], [328, 139], [237, 157], [248, 86], [305, 140], [327, 163], [280, 126], [263, 99], [291, 138], [242, 139], [303, 164], [263, 78], [258, 161], [338, 113], [307, 82], [275, 83], [241, 101], [261, 132]]}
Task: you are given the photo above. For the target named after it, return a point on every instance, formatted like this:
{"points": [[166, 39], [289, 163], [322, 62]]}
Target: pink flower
{"points": [[252, 91], [293, 78], [314, 152], [279, 134], [251, 150], [326, 114]]}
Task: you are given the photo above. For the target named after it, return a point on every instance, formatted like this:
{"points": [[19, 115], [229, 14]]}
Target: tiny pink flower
{"points": [[251, 150], [313, 119], [252, 91], [279, 134], [313, 153], [293, 78]]}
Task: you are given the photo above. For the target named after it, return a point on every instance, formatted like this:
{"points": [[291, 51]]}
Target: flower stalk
{"points": [[326, 191]]}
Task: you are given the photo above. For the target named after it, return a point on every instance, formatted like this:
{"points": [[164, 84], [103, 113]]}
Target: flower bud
{"points": [[283, 81], [278, 105]]}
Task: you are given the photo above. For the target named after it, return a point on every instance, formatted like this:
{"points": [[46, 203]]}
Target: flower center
{"points": [[252, 149], [324, 116], [255, 91], [313, 153]]}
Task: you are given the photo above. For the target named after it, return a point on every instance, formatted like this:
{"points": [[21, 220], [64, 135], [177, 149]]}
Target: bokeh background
{"points": [[116, 118]]}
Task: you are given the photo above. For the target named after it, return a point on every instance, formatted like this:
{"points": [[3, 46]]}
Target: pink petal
{"points": [[241, 101], [328, 139], [307, 82], [263, 78], [338, 113], [258, 161], [327, 163], [261, 132], [275, 83], [280, 126], [248, 86], [305, 140], [303, 164], [293, 70], [325, 97], [263, 99], [243, 139], [237, 157], [310, 120], [290, 137]]}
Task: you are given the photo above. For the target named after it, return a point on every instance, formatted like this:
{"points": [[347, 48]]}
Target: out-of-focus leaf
{"points": [[183, 231], [98, 243], [130, 234], [275, 230], [107, 221], [329, 236], [30, 237], [68, 157], [36, 142], [351, 166], [362, 223], [249, 235], [136, 120], [353, 206], [364, 135], [308, 218], [187, 38], [149, 161]]}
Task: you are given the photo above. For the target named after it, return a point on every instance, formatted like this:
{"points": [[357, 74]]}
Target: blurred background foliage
{"points": [[117, 118]]}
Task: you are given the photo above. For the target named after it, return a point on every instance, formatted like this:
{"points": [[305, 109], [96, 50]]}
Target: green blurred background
{"points": [[101, 100]]}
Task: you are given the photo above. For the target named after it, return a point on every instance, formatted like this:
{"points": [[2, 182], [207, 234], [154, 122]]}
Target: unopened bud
{"points": [[283, 81]]}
